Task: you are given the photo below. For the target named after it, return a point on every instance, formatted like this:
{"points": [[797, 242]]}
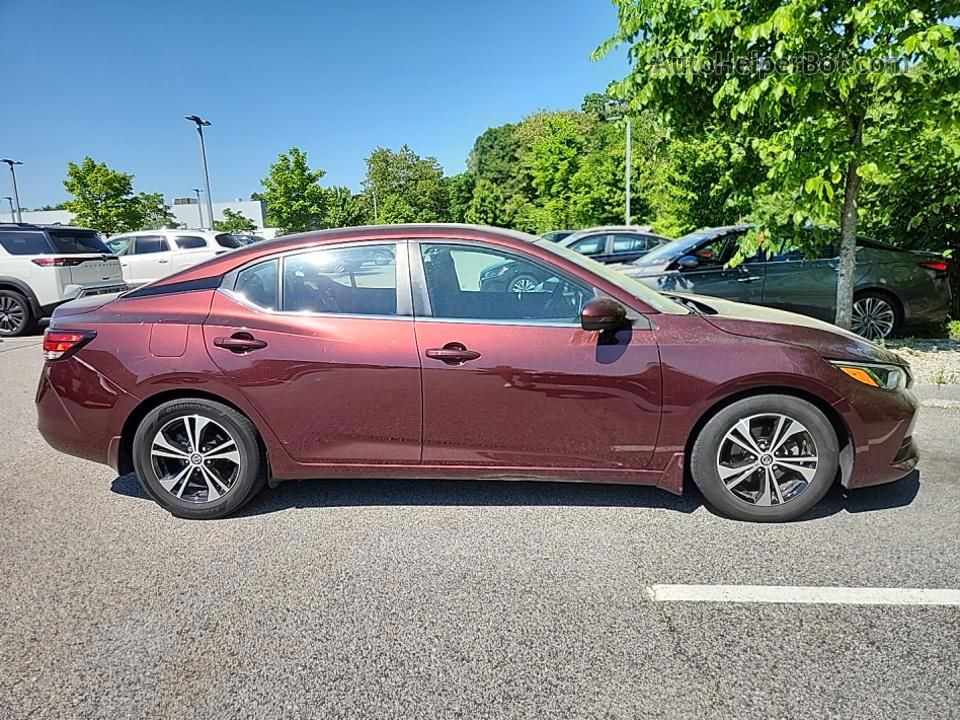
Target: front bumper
{"points": [[881, 424]]}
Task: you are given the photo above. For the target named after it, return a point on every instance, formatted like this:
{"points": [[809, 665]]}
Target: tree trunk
{"points": [[848, 238]]}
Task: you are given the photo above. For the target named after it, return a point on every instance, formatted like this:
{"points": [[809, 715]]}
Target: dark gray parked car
{"points": [[894, 288]]}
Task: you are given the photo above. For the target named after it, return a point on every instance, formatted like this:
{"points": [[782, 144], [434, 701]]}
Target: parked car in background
{"points": [[245, 239], [557, 235], [269, 363], [43, 266], [606, 245], [894, 288], [149, 255]]}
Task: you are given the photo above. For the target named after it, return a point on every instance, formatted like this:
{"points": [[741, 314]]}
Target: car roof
{"points": [[317, 238], [34, 226]]}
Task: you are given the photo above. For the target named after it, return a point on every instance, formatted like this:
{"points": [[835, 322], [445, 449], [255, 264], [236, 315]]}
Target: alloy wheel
{"points": [[873, 318], [767, 459], [523, 284], [195, 459], [12, 314]]}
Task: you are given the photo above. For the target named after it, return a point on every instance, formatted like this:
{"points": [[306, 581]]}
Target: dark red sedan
{"points": [[296, 358]]}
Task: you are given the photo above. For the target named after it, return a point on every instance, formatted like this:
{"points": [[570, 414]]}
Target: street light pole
{"points": [[9, 200], [199, 211], [629, 163], [16, 195], [201, 123]]}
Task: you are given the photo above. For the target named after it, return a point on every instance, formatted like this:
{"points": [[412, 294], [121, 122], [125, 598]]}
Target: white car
{"points": [[149, 255], [43, 266]]}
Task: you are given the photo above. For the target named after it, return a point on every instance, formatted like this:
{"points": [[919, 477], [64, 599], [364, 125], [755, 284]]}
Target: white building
{"points": [[186, 210]]}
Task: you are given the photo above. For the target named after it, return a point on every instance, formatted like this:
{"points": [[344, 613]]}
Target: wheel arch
{"points": [[836, 420], [18, 286], [130, 425]]}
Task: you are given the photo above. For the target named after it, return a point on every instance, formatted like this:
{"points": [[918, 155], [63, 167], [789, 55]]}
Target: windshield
{"points": [[658, 302], [672, 250], [78, 241]]}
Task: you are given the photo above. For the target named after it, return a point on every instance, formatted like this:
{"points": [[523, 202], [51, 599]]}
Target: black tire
{"points": [[706, 448], [250, 477], [16, 317], [890, 301], [381, 257], [523, 278]]}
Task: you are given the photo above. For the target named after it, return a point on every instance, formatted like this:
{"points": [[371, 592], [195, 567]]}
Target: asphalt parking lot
{"points": [[334, 599]]}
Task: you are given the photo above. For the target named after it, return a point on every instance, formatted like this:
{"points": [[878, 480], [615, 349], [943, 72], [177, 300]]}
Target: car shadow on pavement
{"points": [[471, 493]]}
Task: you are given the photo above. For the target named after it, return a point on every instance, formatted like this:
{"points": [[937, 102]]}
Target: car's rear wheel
{"points": [[198, 458], [876, 315], [767, 458], [15, 315]]}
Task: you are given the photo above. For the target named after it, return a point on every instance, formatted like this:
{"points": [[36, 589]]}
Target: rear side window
{"points": [[190, 242], [25, 243], [66, 241], [258, 284], [628, 243], [227, 241], [351, 281], [147, 244]]}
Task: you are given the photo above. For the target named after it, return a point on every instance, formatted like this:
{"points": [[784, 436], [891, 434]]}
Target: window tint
{"points": [[147, 244], [190, 242], [227, 241], [591, 245], [24, 243], [78, 242], [354, 281], [630, 243], [258, 284], [473, 283]]}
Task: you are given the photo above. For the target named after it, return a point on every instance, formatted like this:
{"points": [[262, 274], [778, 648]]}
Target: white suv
{"points": [[149, 255], [43, 266]]}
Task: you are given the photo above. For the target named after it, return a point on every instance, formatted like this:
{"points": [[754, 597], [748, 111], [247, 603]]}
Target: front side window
{"points": [[24, 243], [591, 245], [359, 280], [257, 284], [121, 245], [465, 282], [149, 244], [190, 242]]}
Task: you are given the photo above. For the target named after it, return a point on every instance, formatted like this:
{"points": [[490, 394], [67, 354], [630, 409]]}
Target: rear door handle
{"points": [[239, 342], [748, 279], [453, 353]]}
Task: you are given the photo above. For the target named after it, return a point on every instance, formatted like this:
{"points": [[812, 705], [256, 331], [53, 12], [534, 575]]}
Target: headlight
{"points": [[888, 377]]}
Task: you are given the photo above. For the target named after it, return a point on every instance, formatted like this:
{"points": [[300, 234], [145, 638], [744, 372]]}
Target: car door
{"points": [[324, 348], [148, 261], [711, 276], [802, 282], [511, 379]]}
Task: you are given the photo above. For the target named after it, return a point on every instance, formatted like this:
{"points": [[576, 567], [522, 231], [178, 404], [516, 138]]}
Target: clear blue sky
{"points": [[113, 79]]}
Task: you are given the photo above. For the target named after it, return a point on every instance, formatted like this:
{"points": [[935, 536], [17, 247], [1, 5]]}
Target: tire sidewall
{"points": [[703, 466], [894, 305], [242, 430], [28, 318]]}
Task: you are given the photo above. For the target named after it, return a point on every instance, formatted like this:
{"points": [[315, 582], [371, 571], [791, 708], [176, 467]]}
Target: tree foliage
{"points": [[103, 199], [294, 199], [234, 221], [406, 187]]}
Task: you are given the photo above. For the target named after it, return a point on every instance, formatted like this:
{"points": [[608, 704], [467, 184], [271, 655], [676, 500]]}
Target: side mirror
{"points": [[688, 262], [603, 314]]}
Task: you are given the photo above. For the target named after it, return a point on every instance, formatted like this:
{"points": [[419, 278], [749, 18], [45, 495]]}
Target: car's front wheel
{"points": [[198, 458], [15, 315], [767, 458]]}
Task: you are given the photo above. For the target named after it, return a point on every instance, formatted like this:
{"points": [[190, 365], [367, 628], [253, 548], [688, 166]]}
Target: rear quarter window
{"points": [[227, 241], [25, 243]]}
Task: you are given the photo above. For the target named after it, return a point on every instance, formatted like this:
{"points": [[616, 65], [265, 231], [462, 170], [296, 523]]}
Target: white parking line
{"points": [[794, 594]]}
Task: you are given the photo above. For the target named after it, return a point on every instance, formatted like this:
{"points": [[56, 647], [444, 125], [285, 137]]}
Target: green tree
{"points": [[344, 209], [460, 189], [294, 199], [406, 187], [154, 212], [102, 198], [234, 221], [819, 90], [487, 206]]}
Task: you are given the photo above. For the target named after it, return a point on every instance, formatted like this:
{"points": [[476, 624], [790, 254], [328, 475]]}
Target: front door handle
{"points": [[748, 278], [453, 353], [239, 342]]}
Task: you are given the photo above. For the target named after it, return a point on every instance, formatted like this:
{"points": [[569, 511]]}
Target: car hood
{"points": [[765, 323]]}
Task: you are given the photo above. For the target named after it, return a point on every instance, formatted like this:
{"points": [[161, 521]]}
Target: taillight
{"points": [[59, 261], [60, 344], [939, 267]]}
